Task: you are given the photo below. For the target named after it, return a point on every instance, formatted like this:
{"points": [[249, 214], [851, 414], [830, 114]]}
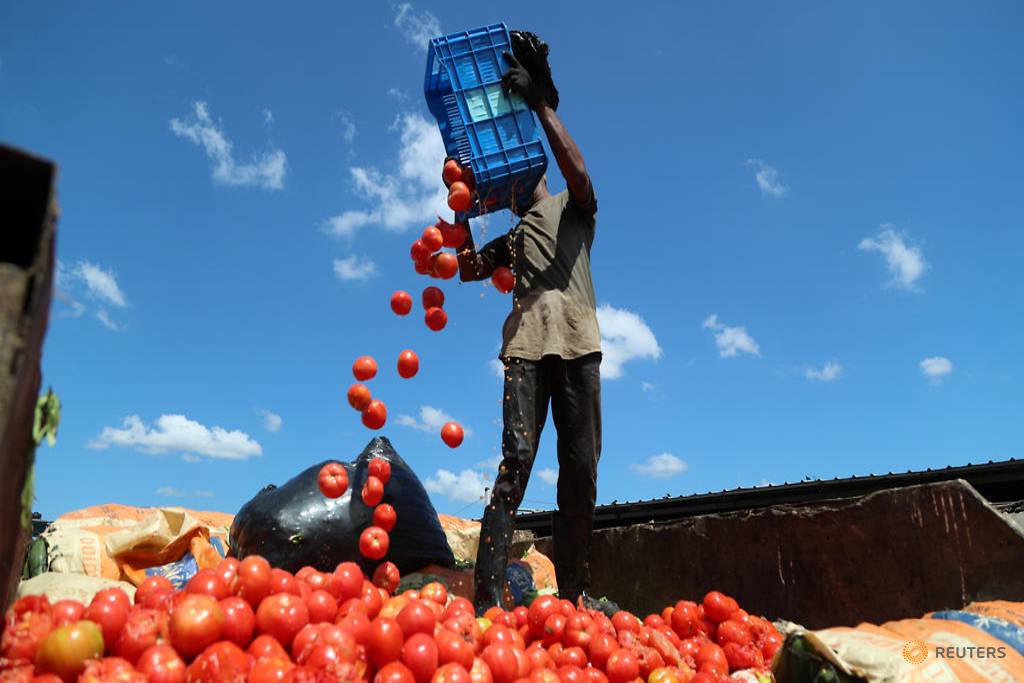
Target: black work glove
{"points": [[518, 80]]}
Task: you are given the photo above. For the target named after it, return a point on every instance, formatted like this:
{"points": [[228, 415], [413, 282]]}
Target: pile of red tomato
{"points": [[246, 621]]}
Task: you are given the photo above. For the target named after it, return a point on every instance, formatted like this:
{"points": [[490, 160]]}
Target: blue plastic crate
{"points": [[494, 134]]}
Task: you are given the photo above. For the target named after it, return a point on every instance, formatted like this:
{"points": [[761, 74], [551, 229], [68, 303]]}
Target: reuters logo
{"points": [[915, 652]]}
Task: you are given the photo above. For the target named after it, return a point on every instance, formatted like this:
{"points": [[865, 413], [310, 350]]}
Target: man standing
{"points": [[552, 353]]}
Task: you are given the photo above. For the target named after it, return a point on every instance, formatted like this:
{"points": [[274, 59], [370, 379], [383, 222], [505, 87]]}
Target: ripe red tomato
{"points": [[69, 611], [454, 235], [110, 670], [480, 673], [625, 621], [375, 415], [554, 629], [384, 643], [144, 629], [161, 664], [222, 662], [408, 364], [569, 673], [452, 172], [711, 653], [732, 631], [458, 197], [743, 656], [239, 621], [322, 607], [65, 650], [380, 468], [424, 266], [433, 297], [419, 251], [451, 672], [502, 662], [227, 570], [196, 622], [110, 614], [503, 279], [373, 543], [346, 582], [282, 615], [452, 434], [451, 648], [432, 239], [359, 396], [685, 619], [664, 674], [253, 580], [595, 675], [416, 617], [771, 644], [718, 607], [27, 623], [332, 480], [386, 575], [266, 646], [283, 582], [385, 517], [401, 302], [207, 582], [364, 368], [150, 584], [394, 672], [373, 491], [435, 592], [572, 656], [436, 319], [622, 666], [446, 266], [419, 653], [540, 609], [270, 671]]}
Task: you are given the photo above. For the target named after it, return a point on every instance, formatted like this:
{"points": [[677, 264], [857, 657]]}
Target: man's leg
{"points": [[524, 412], [576, 409]]}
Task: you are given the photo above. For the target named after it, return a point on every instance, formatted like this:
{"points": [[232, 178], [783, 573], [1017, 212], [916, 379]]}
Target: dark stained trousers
{"points": [[573, 388]]}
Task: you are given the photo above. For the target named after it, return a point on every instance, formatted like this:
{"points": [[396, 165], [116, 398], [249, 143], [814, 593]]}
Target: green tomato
{"points": [[65, 650]]}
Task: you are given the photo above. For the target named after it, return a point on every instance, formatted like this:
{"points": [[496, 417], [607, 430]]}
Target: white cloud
{"points": [[399, 95], [75, 307], [272, 422], [104, 318], [412, 196], [936, 368], [170, 492], [548, 476], [731, 341], [188, 457], [767, 178], [178, 433], [199, 493], [905, 261], [431, 420], [624, 337], [266, 170], [497, 367], [354, 268], [661, 466], [828, 372], [646, 387], [347, 126], [100, 284], [467, 486], [268, 117], [418, 28]]}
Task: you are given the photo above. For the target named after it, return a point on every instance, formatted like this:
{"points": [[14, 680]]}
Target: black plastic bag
{"points": [[532, 53], [295, 525]]}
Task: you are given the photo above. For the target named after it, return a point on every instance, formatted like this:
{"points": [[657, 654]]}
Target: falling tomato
{"points": [[458, 197], [419, 251], [432, 239], [424, 266], [364, 368], [504, 280], [373, 543], [380, 468], [436, 319], [373, 491], [446, 265], [454, 235], [384, 516], [433, 297], [332, 480], [452, 434], [452, 172], [359, 396], [375, 415], [408, 364], [401, 302]]}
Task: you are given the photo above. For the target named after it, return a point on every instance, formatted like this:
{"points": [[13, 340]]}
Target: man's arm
{"points": [[478, 265], [567, 154]]}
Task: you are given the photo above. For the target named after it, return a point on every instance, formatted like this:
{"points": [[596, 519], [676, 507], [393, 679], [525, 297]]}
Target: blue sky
{"points": [[807, 253]]}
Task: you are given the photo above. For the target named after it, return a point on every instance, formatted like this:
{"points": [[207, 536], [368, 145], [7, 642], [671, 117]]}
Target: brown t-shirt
{"points": [[554, 311]]}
